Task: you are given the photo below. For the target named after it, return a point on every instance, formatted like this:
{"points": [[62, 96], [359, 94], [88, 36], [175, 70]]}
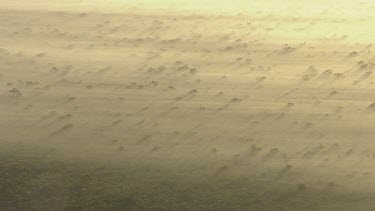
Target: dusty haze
{"points": [[187, 105]]}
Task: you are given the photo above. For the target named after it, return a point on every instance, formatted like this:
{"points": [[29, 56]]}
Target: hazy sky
{"points": [[289, 7]]}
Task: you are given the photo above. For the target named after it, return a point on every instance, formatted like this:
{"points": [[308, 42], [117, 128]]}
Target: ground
{"points": [[154, 105]]}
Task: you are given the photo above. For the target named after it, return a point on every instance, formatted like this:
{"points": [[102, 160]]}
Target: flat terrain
{"points": [[115, 105]]}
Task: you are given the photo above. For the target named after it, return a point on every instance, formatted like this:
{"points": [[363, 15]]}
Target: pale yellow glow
{"points": [[355, 18]]}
